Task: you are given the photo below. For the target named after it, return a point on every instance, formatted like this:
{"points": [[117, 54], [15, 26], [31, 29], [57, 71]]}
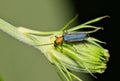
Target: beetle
{"points": [[70, 37]]}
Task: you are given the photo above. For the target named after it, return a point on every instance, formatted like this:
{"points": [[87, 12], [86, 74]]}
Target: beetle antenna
{"points": [[44, 44]]}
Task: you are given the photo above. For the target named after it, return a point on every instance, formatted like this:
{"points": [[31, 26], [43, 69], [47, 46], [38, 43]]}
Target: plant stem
{"points": [[12, 31]]}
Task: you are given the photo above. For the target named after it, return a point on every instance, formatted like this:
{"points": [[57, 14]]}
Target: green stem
{"points": [[60, 69], [75, 76], [70, 22], [81, 27], [95, 20], [12, 31]]}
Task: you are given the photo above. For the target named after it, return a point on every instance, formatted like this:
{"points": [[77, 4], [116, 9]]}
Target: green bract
{"points": [[87, 56]]}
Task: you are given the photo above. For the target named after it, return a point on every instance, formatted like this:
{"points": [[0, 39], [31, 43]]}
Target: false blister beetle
{"points": [[70, 37]]}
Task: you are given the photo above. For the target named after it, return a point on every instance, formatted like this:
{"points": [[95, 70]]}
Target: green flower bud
{"points": [[86, 56]]}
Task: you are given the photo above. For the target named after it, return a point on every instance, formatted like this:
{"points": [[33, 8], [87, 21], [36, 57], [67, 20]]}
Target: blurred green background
{"points": [[20, 62]]}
